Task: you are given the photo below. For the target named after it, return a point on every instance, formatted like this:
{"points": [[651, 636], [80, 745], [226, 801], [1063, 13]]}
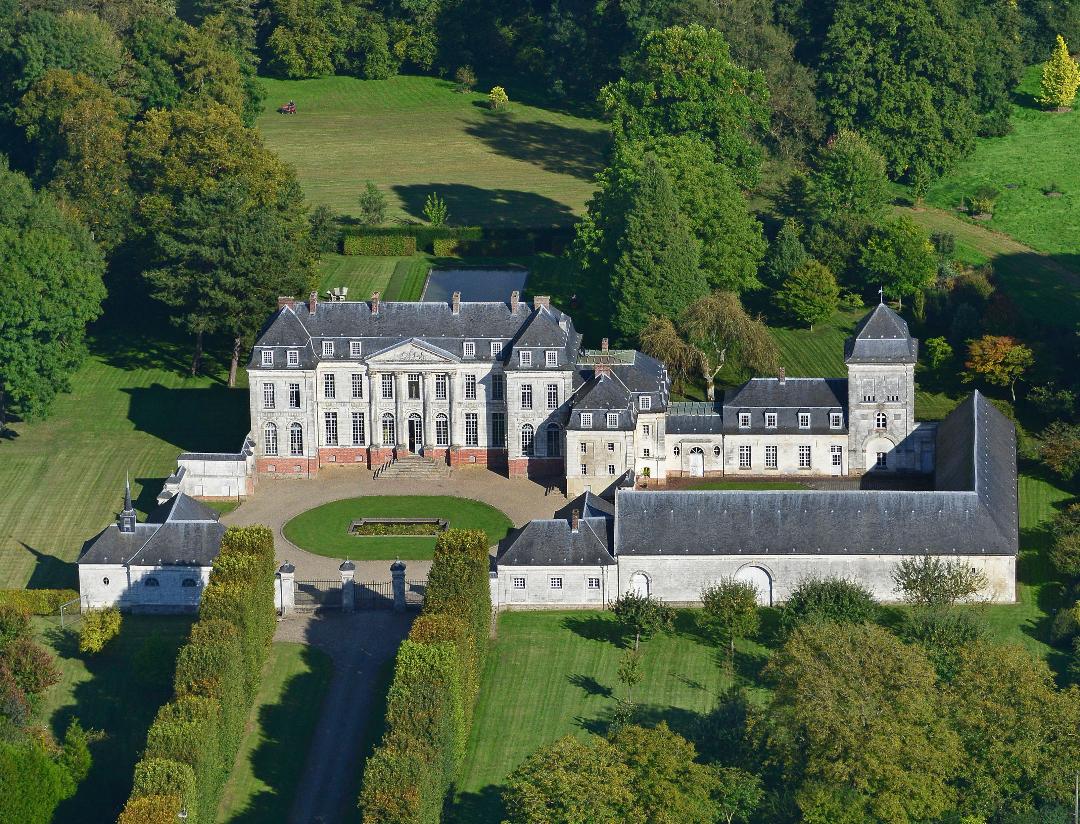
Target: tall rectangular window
{"points": [[804, 457], [468, 349], [645, 403], [612, 420], [770, 420], [498, 430], [357, 386], [440, 387], [526, 396], [328, 348], [355, 348], [442, 430], [804, 420], [498, 387], [268, 396], [330, 421], [836, 453], [836, 420], [744, 420], [267, 357], [770, 457], [551, 357], [584, 469], [387, 383], [611, 469], [470, 387], [414, 386], [292, 357], [525, 358], [329, 387], [270, 440], [296, 439], [294, 396], [472, 429], [646, 430], [496, 348], [359, 430], [553, 396], [586, 420], [744, 457]]}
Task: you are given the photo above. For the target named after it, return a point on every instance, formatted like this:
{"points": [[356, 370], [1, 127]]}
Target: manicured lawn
{"points": [[820, 353], [395, 278], [270, 763], [524, 166], [132, 409], [551, 674], [324, 529], [117, 691], [1040, 150], [222, 507]]}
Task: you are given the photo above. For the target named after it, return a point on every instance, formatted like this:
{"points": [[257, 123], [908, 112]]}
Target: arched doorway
{"points": [[416, 433], [760, 580], [639, 584], [697, 462]]}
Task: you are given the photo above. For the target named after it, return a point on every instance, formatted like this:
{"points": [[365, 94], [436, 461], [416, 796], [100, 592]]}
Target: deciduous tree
{"points": [[1000, 359], [730, 611], [938, 352], [1060, 77], [810, 294], [898, 256], [642, 615], [930, 581], [372, 205], [1059, 448]]}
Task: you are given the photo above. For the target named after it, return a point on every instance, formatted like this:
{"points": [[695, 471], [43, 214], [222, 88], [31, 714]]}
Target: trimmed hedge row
{"points": [[475, 241], [37, 601], [429, 708], [193, 741], [379, 245]]}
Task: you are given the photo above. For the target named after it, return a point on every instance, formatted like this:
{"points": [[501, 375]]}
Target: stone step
{"points": [[414, 467]]}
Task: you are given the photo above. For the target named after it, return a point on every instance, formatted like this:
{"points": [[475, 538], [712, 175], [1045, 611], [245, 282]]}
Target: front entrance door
{"points": [[639, 584], [697, 463], [760, 580], [416, 433]]}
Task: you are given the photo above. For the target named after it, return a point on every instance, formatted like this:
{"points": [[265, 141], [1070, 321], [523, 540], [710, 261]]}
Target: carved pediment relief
{"points": [[413, 351]]}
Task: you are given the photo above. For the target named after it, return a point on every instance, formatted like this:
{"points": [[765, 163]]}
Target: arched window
{"points": [[296, 439], [151, 582], [270, 439], [442, 430], [389, 431], [554, 440], [189, 582], [716, 451], [676, 451], [527, 436], [105, 581], [881, 420]]}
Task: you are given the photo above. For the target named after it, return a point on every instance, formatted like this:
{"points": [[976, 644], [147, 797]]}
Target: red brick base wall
{"points": [[494, 459], [344, 455], [536, 467], [288, 466]]}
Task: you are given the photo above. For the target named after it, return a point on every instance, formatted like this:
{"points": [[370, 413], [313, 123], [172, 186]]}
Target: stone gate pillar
{"points": [[348, 588], [397, 571], [285, 596]]}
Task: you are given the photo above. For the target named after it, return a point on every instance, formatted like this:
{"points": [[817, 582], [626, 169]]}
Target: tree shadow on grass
{"points": [[590, 685], [555, 148], [597, 628], [213, 419], [473, 205], [483, 807], [129, 680]]}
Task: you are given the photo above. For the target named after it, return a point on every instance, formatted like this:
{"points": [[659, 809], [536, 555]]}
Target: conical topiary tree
{"points": [[1060, 78]]}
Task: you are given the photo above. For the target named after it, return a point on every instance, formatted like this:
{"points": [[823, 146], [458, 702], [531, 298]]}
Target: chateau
{"points": [[508, 385]]}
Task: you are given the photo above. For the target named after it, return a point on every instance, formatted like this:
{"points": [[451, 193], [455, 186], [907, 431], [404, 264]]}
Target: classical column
{"points": [[397, 573], [401, 433], [348, 594], [427, 394]]}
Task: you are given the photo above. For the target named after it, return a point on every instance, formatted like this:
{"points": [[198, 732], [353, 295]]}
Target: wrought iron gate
{"points": [[374, 594], [315, 596]]}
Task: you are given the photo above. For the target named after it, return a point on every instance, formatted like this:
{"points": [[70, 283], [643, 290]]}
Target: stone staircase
{"points": [[414, 468]]}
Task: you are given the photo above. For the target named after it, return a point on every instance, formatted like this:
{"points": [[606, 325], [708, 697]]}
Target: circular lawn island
{"points": [[384, 527]]}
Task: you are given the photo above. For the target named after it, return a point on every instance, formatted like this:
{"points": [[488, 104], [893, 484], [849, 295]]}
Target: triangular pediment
{"points": [[413, 350]]}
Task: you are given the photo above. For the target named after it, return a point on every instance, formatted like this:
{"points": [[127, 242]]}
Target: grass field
{"points": [[118, 691], [1040, 150], [324, 529], [131, 410], [395, 278], [268, 767], [524, 166]]}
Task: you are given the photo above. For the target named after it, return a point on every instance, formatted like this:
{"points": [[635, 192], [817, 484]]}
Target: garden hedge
{"points": [[444, 247], [37, 601], [99, 626], [379, 245], [193, 741], [430, 704], [445, 241]]}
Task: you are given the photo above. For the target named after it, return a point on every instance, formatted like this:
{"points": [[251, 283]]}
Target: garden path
{"points": [[277, 500]]}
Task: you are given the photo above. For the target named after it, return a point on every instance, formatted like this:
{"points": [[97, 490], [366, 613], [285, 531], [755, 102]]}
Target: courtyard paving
{"points": [[277, 500]]}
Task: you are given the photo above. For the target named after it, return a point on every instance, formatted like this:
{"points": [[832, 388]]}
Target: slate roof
{"points": [[626, 376], [180, 532], [972, 511], [296, 327], [694, 418], [787, 398], [553, 543], [881, 337]]}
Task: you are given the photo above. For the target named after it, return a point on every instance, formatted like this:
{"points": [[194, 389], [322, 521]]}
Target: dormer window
{"points": [[744, 420], [836, 420], [770, 420], [293, 357], [355, 348], [804, 420], [328, 348], [469, 349], [612, 420], [645, 402], [496, 348], [586, 420], [551, 357], [267, 357], [524, 358]]}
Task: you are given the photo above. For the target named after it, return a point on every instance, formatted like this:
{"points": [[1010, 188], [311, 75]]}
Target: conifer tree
{"points": [[786, 253], [1060, 78], [810, 293], [657, 272]]}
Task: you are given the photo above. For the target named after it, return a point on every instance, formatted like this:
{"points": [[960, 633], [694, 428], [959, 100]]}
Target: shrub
{"points": [[31, 665], [982, 202], [372, 204], [445, 247], [33, 783], [435, 210], [498, 98], [99, 626], [37, 601], [944, 243], [465, 77], [161, 776], [941, 633], [151, 809], [14, 623], [379, 245], [828, 599], [186, 730]]}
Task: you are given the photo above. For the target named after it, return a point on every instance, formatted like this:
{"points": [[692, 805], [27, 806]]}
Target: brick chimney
{"points": [[575, 516], [374, 303], [455, 303], [515, 299], [602, 368], [312, 302], [286, 300], [604, 345], [541, 300], [783, 376]]}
